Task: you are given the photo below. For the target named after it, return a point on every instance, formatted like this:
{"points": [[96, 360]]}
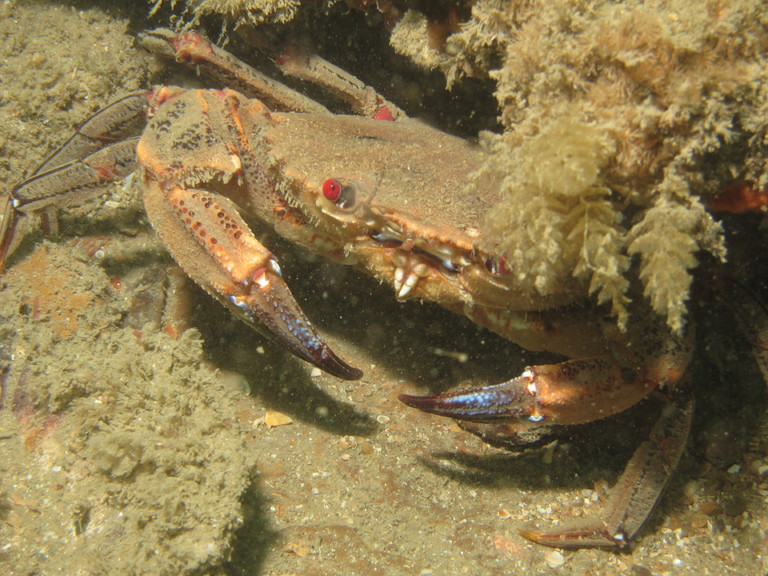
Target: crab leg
{"points": [[67, 185], [116, 122], [363, 99], [204, 232], [100, 151], [193, 48], [637, 491], [75, 182], [752, 316]]}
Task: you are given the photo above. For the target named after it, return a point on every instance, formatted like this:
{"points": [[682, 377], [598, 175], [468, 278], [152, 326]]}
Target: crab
{"points": [[357, 189]]}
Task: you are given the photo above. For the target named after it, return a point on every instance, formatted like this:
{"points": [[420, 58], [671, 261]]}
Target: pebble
{"points": [[640, 570], [709, 508], [273, 418], [554, 559], [366, 448]]}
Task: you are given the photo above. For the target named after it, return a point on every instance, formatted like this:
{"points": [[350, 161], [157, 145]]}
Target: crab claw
{"points": [[572, 392], [490, 404], [267, 304], [206, 235]]}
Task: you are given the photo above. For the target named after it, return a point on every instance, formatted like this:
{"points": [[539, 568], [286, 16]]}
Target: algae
{"points": [[124, 433], [235, 12], [679, 89]]}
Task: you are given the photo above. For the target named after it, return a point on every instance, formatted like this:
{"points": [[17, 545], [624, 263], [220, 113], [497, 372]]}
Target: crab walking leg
{"points": [[205, 234], [633, 498], [70, 184], [752, 316], [101, 150], [75, 182], [193, 48], [363, 99], [118, 121]]}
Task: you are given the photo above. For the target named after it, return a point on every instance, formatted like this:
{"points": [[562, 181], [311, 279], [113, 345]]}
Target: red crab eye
{"points": [[332, 189], [340, 192]]}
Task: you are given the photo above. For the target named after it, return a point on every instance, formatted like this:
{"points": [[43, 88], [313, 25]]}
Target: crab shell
{"points": [[407, 217]]}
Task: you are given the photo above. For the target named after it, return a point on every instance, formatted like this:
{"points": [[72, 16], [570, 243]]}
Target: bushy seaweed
{"points": [[234, 12]]}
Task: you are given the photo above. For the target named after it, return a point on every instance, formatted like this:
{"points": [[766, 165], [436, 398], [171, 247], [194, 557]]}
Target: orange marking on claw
{"points": [[203, 102]]}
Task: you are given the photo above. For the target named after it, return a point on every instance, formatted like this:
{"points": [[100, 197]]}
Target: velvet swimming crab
{"points": [[375, 191]]}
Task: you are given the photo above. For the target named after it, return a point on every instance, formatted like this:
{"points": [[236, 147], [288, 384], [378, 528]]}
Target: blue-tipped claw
{"points": [[506, 401], [270, 307]]}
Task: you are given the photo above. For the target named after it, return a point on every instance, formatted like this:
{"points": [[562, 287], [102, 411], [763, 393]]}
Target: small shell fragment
{"points": [[554, 559], [273, 418]]}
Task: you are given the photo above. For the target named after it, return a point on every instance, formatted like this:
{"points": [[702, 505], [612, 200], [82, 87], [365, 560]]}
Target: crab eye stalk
{"points": [[340, 193]]}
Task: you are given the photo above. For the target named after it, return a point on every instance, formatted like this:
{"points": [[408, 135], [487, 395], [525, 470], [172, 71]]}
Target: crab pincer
{"points": [[218, 250], [265, 303], [209, 239], [486, 404], [572, 392]]}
